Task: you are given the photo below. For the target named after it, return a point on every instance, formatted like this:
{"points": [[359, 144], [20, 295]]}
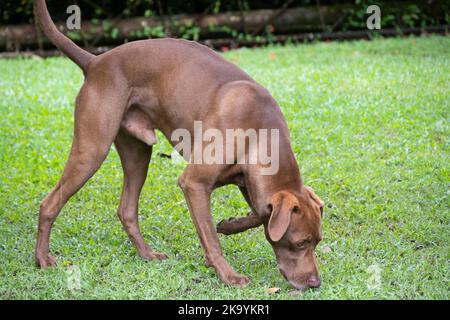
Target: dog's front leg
{"points": [[199, 202], [237, 225], [233, 225]]}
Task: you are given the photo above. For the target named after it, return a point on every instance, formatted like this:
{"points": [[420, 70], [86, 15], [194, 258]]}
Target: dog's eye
{"points": [[301, 244]]}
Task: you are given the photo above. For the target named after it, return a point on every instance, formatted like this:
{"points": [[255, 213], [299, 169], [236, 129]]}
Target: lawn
{"points": [[369, 124]]}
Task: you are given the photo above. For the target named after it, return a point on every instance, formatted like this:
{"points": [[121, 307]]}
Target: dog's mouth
{"points": [[301, 287], [297, 286], [292, 283]]}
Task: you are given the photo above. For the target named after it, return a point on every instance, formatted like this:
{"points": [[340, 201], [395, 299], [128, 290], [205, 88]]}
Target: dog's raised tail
{"points": [[63, 43]]}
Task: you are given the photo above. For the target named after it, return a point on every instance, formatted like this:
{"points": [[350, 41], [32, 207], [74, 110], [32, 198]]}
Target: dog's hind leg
{"points": [[97, 121], [135, 157]]}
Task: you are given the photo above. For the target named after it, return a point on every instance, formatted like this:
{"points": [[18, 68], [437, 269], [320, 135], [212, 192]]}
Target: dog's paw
{"points": [[45, 261], [236, 279], [154, 256], [226, 273], [226, 226]]}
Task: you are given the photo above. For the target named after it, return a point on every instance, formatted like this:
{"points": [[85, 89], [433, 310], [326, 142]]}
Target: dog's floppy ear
{"points": [[282, 205]]}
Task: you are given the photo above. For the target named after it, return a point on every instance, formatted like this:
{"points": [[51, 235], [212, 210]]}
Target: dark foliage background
{"points": [[417, 13]]}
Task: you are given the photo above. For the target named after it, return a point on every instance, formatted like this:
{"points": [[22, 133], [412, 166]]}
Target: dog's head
{"points": [[294, 229]]}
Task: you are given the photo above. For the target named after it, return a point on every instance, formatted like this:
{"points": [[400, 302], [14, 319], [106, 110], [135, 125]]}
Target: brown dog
{"points": [[168, 84]]}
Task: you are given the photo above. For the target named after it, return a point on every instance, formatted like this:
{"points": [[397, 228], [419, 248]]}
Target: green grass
{"points": [[370, 128]]}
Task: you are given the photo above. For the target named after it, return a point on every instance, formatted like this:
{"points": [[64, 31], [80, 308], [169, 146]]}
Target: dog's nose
{"points": [[313, 282]]}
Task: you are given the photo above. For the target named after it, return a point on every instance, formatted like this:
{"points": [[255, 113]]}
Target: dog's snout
{"points": [[313, 282]]}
